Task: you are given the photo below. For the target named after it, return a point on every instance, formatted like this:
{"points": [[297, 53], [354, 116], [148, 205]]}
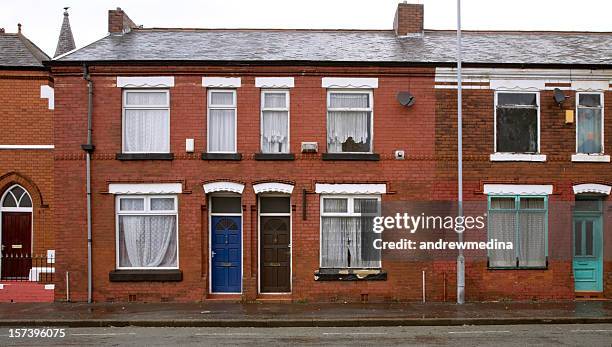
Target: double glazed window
{"points": [[522, 220], [517, 122], [589, 123], [221, 121], [274, 121], [147, 232], [349, 121], [346, 232], [146, 121]]}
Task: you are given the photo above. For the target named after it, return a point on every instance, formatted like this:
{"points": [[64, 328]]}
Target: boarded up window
{"points": [[517, 123]]}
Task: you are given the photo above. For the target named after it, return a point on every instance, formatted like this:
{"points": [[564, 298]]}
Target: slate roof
{"points": [[19, 52], [65, 42], [485, 47]]}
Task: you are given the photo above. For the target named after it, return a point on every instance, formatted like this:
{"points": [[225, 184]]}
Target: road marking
{"points": [[228, 334], [480, 332], [354, 333], [592, 331], [103, 334]]}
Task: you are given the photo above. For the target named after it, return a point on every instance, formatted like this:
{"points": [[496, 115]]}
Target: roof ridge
{"points": [[36, 52], [260, 29]]}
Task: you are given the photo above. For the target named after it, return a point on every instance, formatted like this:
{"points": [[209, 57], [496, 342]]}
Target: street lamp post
{"points": [[460, 257]]}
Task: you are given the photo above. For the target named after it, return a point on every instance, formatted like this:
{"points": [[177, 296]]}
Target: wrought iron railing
{"points": [[27, 267]]}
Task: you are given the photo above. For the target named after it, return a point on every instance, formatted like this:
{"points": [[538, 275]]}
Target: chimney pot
{"points": [[1, 30], [19, 28], [408, 19]]}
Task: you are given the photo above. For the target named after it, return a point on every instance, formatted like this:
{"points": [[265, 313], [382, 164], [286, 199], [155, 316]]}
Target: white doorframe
{"points": [[17, 209]]}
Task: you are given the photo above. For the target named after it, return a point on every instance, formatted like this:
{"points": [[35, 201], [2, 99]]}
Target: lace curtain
{"points": [[146, 130], [344, 243], [502, 226], [344, 124], [589, 130], [222, 132], [275, 132], [147, 241]]}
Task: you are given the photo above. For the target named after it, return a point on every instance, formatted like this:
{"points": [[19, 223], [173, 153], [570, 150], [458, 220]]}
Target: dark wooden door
{"points": [[16, 244], [275, 254]]}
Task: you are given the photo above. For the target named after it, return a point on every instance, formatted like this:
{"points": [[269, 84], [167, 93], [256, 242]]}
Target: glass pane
{"points": [[532, 203], [335, 205], [589, 130], [162, 204], [588, 205], [502, 227], [146, 131], [17, 192], [517, 130], [222, 132], [147, 241], [532, 237], [517, 99], [349, 100], [348, 131], [366, 206], [222, 98], [502, 203], [578, 238], [9, 201], [275, 205], [25, 201], [589, 100], [588, 237], [275, 100], [275, 132], [224, 204], [131, 204], [146, 99]]}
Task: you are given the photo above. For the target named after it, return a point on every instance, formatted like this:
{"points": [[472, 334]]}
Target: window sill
{"points": [[222, 156], [274, 156], [350, 275], [517, 268], [518, 157], [145, 276], [351, 156], [590, 158], [144, 156]]}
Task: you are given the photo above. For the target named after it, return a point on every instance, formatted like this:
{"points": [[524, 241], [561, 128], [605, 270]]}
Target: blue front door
{"points": [[226, 255], [588, 254]]}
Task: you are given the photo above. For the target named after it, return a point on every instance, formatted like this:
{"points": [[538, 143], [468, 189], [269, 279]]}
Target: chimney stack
{"points": [[1, 30], [119, 22], [408, 19]]}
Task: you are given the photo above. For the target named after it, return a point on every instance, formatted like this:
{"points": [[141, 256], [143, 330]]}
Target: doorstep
{"points": [[583, 296], [285, 298], [224, 297]]}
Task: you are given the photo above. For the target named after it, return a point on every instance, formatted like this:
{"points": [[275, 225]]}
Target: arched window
{"points": [[16, 198]]}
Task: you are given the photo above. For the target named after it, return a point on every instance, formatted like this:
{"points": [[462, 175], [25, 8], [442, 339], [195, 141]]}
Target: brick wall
{"points": [[27, 120]]}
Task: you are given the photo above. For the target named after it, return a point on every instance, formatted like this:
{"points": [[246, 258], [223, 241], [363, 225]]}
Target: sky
{"points": [[41, 19]]}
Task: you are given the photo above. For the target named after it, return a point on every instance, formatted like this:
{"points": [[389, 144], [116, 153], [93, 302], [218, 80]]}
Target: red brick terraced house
{"points": [[238, 164], [26, 171]]}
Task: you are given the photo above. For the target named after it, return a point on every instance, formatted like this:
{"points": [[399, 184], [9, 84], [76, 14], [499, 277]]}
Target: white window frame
{"points": [[537, 94], [285, 109], [125, 107], [350, 207], [369, 109], [210, 106], [601, 96], [145, 212]]}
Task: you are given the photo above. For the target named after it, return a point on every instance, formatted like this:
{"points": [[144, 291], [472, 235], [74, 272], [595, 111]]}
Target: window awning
{"points": [[145, 82], [592, 188], [343, 188], [273, 187], [231, 187], [145, 188], [518, 189]]}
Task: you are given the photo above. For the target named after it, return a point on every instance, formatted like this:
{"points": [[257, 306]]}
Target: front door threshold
{"points": [[589, 296]]}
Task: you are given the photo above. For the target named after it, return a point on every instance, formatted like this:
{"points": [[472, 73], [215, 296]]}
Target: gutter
{"points": [[88, 148]]}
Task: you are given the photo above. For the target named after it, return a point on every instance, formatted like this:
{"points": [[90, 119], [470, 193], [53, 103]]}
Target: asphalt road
{"points": [[498, 335]]}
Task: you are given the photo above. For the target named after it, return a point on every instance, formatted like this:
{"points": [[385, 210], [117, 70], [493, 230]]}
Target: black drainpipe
{"points": [[88, 148]]}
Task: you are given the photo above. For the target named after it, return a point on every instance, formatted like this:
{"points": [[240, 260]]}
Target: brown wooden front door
{"points": [[275, 255], [16, 244]]}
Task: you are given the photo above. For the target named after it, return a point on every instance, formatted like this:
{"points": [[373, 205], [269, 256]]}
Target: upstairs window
{"points": [[349, 121], [221, 121], [347, 232], [146, 121], [517, 123], [275, 122], [589, 123]]}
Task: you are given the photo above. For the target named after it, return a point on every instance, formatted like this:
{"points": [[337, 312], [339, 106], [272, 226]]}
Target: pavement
{"points": [[221, 314]]}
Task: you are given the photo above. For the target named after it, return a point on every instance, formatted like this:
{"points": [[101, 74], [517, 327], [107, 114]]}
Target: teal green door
{"points": [[588, 254]]}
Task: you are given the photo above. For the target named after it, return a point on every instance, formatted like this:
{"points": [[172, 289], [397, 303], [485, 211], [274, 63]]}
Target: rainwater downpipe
{"points": [[88, 148]]}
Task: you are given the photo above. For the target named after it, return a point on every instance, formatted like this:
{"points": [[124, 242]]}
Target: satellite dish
{"points": [[405, 99], [559, 96]]}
